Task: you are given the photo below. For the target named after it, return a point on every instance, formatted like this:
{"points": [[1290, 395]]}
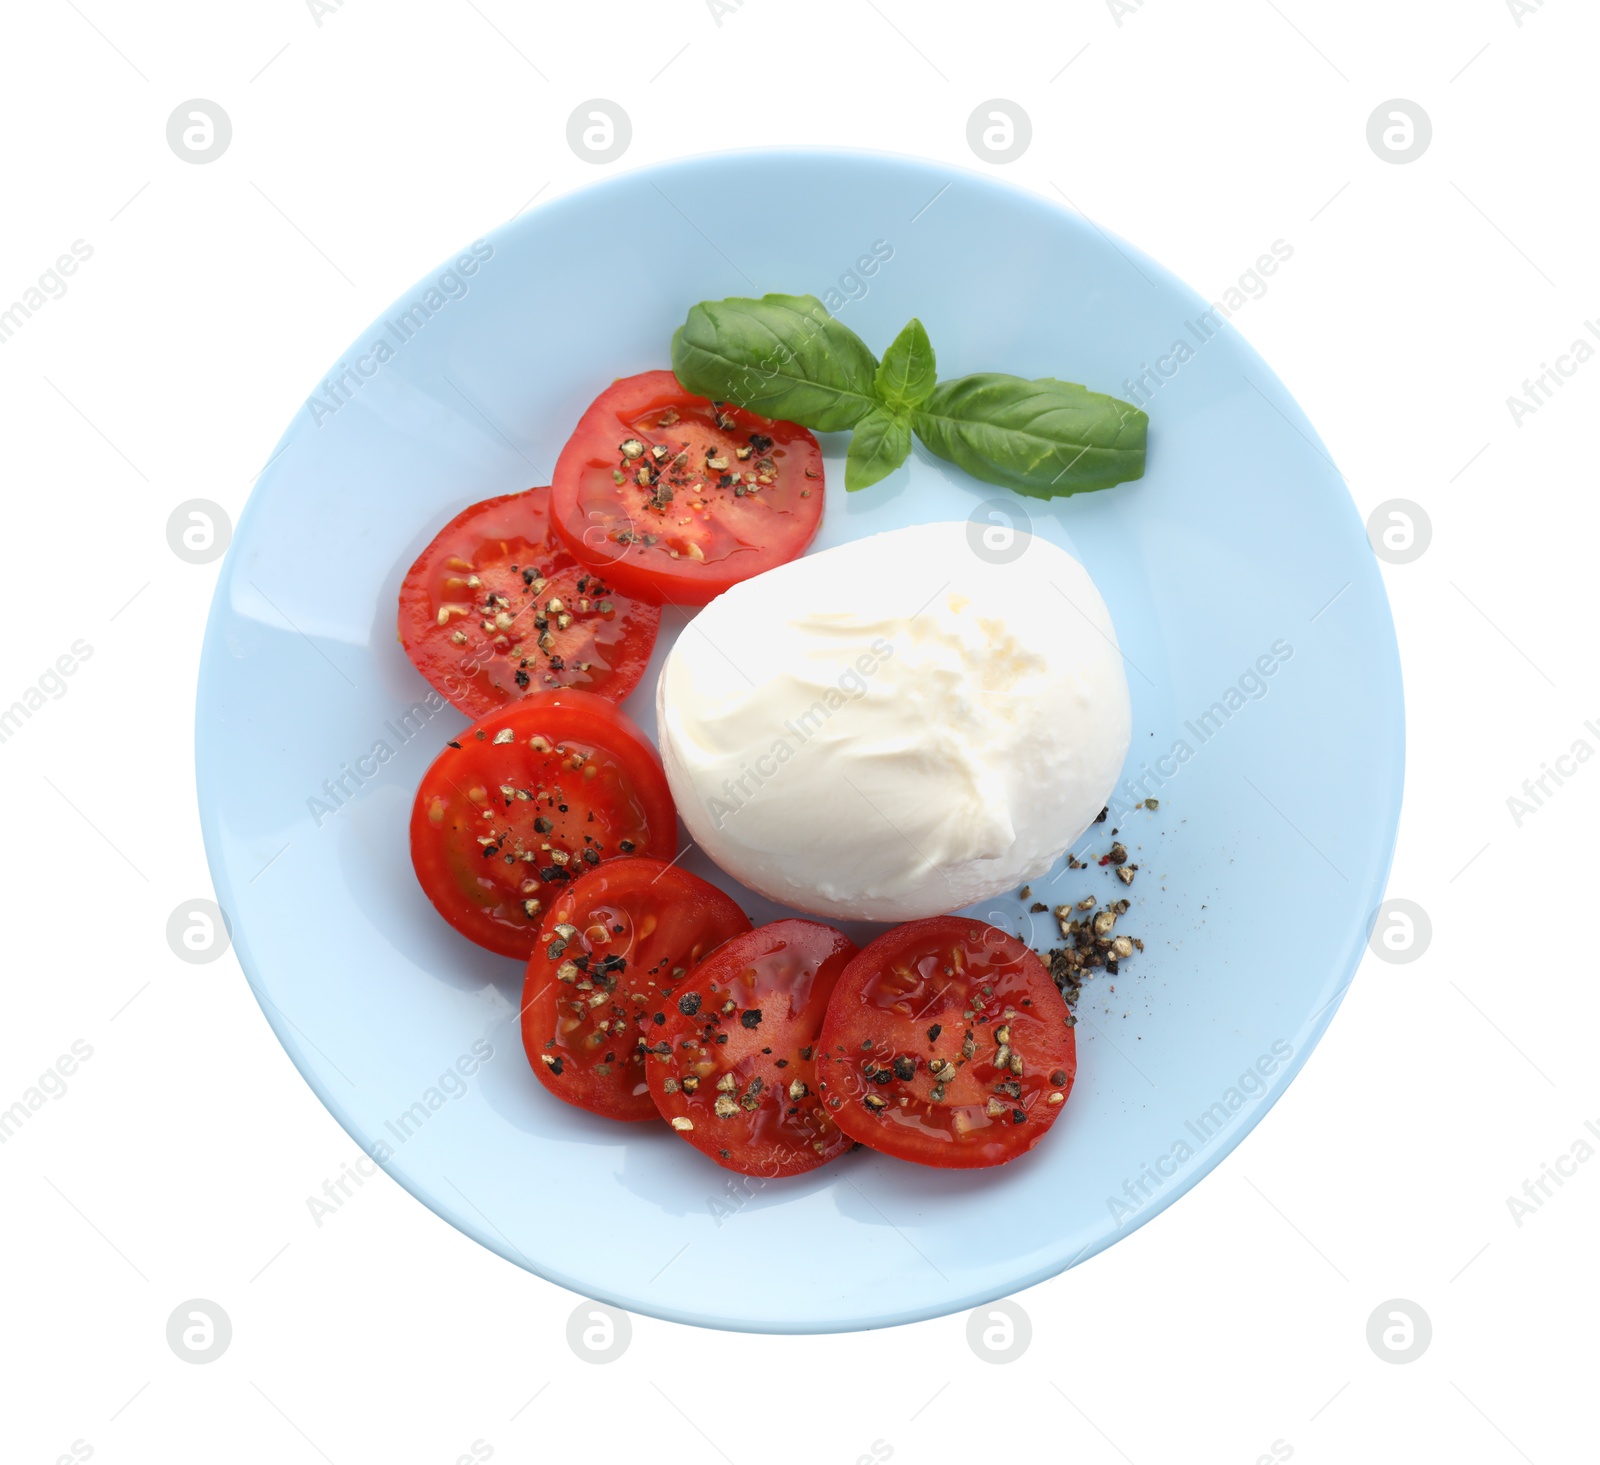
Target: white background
{"points": [[366, 149]]}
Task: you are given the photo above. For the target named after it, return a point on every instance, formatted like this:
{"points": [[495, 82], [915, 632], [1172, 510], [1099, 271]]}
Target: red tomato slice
{"points": [[947, 1043], [497, 608], [524, 802], [675, 497], [612, 945], [739, 1080]]}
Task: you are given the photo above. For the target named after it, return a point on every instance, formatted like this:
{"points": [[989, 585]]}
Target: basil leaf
{"points": [[907, 372], [879, 445], [783, 356], [1046, 437]]}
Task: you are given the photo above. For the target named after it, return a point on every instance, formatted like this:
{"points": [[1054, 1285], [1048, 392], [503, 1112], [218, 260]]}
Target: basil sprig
{"points": [[784, 356]]}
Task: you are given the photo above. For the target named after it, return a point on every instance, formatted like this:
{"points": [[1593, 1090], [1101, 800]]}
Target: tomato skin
{"points": [[506, 546], [626, 933], [621, 809], [784, 973], [914, 998], [645, 536]]}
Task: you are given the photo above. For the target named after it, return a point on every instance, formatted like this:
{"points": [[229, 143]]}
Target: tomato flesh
{"points": [[946, 1043], [676, 497], [739, 1081], [525, 801], [497, 608], [612, 947]]}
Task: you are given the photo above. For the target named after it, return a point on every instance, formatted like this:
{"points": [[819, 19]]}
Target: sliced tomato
{"points": [[739, 1079], [524, 802], [496, 608], [946, 1043], [676, 497], [612, 947]]}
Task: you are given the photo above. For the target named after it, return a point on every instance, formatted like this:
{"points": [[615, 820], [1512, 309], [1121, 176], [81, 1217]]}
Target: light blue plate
{"points": [[1239, 550]]}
